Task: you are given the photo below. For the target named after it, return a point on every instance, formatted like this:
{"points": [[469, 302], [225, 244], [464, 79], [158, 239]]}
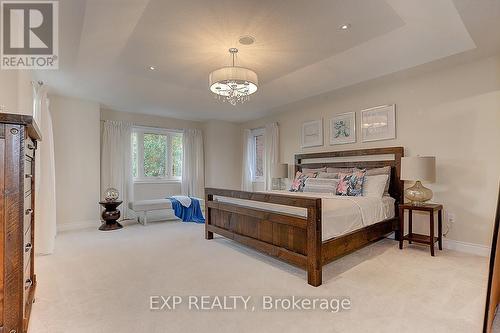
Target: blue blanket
{"points": [[188, 214]]}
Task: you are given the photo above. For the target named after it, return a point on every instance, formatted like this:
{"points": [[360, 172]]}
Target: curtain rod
{"points": [[147, 127]]}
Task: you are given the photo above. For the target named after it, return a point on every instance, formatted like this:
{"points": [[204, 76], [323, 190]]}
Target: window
{"points": [[258, 148], [156, 154]]}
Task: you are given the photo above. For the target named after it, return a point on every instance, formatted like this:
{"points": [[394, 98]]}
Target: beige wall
{"points": [[24, 93], [77, 161], [9, 90], [453, 114], [223, 154], [16, 91], [149, 120]]}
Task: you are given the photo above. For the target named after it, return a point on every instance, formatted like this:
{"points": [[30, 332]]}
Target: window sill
{"points": [[157, 181]]}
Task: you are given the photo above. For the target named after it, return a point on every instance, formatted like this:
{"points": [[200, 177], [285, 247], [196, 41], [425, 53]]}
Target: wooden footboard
{"points": [[294, 239]]}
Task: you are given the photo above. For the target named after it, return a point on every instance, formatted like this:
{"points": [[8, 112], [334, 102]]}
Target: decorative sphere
{"points": [[111, 194]]}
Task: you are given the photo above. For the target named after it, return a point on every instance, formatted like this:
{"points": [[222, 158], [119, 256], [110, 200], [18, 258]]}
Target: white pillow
{"points": [[321, 182], [325, 175], [317, 185], [318, 189], [374, 186]]}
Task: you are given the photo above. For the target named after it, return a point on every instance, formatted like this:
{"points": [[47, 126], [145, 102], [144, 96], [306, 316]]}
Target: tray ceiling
{"points": [[299, 52]]}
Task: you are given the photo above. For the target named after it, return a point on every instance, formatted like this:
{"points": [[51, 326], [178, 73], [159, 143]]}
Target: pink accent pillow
{"points": [[300, 180], [351, 184]]}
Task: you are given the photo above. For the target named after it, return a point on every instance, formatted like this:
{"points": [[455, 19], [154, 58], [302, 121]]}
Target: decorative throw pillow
{"points": [[351, 184], [321, 185], [299, 181], [321, 182]]}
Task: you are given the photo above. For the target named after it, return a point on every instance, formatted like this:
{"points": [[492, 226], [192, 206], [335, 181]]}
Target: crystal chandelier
{"points": [[233, 84]]}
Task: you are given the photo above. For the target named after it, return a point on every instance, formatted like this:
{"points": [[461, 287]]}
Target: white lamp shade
{"points": [[421, 168], [243, 78], [279, 170]]}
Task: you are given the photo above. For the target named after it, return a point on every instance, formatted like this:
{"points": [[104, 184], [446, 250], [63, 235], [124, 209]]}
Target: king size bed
{"points": [[306, 229]]}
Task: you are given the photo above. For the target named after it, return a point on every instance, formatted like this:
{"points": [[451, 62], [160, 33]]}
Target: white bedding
{"points": [[340, 214]]}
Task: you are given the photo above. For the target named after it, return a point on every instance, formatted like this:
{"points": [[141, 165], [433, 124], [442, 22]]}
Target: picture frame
{"points": [[312, 133], [343, 128], [378, 123]]}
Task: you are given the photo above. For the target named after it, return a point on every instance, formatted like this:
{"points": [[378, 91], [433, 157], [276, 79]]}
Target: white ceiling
{"points": [[106, 47]]}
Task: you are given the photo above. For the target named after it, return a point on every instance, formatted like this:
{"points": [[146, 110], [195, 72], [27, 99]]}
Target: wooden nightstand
{"points": [[418, 238]]}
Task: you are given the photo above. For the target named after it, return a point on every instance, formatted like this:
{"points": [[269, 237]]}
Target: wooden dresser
{"points": [[18, 141]]}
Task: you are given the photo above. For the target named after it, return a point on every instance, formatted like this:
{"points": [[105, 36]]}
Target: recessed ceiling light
{"points": [[152, 68], [247, 40], [345, 27]]}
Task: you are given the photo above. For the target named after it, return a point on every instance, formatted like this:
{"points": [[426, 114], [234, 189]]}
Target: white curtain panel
{"points": [[45, 184], [116, 160], [39, 94], [193, 175], [272, 139], [248, 151]]}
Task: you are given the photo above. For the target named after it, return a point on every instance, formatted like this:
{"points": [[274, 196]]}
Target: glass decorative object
{"points": [[111, 194]]}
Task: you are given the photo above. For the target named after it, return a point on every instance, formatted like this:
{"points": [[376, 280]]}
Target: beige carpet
{"points": [[495, 328], [101, 282]]}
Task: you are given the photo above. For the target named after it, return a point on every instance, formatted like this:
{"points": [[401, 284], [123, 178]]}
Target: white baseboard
{"points": [[477, 249], [82, 225], [78, 225], [450, 244]]}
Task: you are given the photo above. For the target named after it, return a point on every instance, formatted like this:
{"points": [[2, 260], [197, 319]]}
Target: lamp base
{"points": [[418, 194]]}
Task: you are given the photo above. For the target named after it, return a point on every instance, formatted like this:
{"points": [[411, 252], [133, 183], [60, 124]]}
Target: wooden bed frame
{"points": [[294, 239]]}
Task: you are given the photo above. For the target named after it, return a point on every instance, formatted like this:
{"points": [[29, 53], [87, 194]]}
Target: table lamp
{"points": [[419, 168], [279, 171]]}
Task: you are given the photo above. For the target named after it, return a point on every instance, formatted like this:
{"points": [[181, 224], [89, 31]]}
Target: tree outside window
{"points": [[156, 154]]}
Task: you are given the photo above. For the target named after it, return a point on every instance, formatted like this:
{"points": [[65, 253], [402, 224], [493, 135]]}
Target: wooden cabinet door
{"points": [[2, 225], [493, 292]]}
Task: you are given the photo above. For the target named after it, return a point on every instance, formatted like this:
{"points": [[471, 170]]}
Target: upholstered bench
{"points": [[142, 207]]}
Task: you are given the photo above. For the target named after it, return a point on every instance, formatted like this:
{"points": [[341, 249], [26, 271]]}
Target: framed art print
{"points": [[343, 128], [312, 134], [378, 123]]}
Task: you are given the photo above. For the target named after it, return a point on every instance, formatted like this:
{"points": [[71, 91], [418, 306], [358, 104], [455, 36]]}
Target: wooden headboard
{"points": [[359, 158]]}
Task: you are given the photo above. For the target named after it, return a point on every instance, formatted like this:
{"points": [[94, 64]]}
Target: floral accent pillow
{"points": [[300, 180], [351, 184]]}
